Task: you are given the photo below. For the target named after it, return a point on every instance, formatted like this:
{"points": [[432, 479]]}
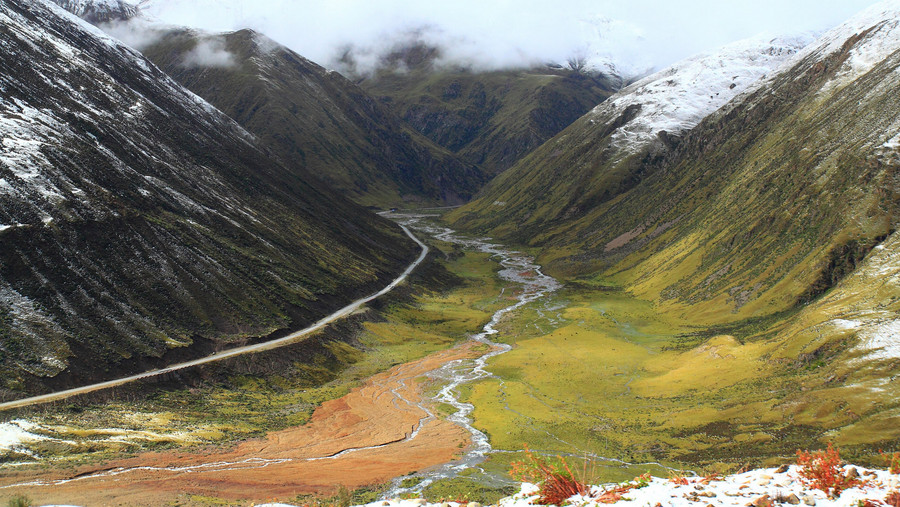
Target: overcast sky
{"points": [[635, 34]]}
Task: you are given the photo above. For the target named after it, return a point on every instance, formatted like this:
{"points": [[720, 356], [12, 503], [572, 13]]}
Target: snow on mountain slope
{"points": [[137, 220], [873, 35], [792, 149], [31, 130], [677, 98], [100, 11]]}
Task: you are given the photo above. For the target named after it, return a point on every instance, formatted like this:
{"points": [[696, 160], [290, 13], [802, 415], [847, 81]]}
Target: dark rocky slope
{"points": [[317, 120], [488, 118], [137, 221]]}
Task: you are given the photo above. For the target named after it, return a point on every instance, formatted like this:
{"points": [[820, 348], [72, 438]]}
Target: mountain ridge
{"points": [[317, 120], [661, 228], [488, 118], [141, 222]]}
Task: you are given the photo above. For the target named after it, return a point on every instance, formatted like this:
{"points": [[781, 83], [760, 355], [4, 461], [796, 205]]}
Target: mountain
{"points": [[765, 204], [139, 224], [315, 119], [606, 152], [100, 11], [488, 118]]}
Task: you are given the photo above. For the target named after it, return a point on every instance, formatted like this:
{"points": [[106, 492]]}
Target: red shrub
{"points": [[822, 470], [556, 481], [615, 494], [893, 499], [711, 478], [893, 462], [678, 479]]}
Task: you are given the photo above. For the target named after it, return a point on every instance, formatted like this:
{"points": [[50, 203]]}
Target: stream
{"points": [[517, 268], [526, 284]]}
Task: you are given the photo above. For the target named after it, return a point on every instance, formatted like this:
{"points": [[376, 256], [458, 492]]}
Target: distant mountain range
{"points": [[488, 118]]}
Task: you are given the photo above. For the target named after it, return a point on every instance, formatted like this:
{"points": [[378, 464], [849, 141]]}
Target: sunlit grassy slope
{"points": [[723, 291], [763, 206], [614, 378]]}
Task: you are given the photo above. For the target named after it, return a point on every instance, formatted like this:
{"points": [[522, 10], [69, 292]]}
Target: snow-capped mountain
{"points": [[137, 219], [866, 39], [769, 193], [100, 11], [600, 150], [675, 99]]}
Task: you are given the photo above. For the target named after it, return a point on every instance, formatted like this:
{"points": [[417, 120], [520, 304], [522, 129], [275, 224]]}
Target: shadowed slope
{"points": [[140, 225], [316, 120]]}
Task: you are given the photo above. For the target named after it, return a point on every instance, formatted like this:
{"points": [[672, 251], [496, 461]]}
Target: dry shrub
{"points": [[678, 478], [822, 470], [893, 462], [555, 479], [616, 493], [893, 499]]}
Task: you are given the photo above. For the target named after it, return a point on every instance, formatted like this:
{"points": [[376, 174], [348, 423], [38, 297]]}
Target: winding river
{"points": [[526, 284], [517, 268]]}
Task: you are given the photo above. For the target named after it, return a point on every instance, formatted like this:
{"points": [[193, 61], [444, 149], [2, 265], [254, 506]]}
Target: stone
{"points": [[766, 477], [793, 499], [765, 482], [473, 504], [420, 501], [445, 504], [782, 469], [763, 501], [385, 503], [706, 494], [808, 500], [853, 473]]}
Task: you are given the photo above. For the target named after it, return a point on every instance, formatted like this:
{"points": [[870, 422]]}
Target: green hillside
{"points": [[488, 118], [315, 120], [763, 206]]}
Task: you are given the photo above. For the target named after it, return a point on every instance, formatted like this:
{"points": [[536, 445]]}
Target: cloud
{"points": [[208, 53], [135, 32], [634, 34]]}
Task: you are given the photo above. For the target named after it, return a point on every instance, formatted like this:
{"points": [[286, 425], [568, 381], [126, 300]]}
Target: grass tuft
{"points": [[19, 501]]}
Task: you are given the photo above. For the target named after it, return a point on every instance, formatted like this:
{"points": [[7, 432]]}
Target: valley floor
{"points": [[593, 374]]}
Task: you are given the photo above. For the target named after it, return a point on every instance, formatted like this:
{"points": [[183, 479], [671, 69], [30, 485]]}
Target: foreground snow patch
{"points": [[15, 433], [758, 487]]}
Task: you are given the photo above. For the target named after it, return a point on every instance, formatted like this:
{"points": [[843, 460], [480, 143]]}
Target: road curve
{"points": [[272, 344]]}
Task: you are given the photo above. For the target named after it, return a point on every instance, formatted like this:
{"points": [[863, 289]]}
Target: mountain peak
{"points": [[675, 99], [100, 11], [867, 39]]}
